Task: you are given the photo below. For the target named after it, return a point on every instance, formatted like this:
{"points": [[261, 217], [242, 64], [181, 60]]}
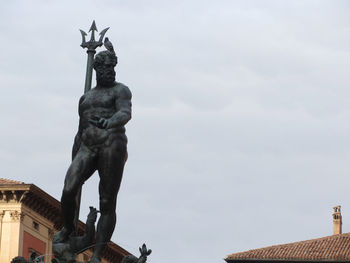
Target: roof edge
{"points": [[243, 260], [233, 255]]}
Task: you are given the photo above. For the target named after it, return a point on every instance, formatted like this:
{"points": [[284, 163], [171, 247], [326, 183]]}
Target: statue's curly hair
{"points": [[101, 56]]}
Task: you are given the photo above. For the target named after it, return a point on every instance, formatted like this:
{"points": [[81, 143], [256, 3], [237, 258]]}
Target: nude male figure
{"points": [[100, 144]]}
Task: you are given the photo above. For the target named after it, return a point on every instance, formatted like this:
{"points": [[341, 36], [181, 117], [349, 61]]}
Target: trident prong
{"points": [[102, 34], [92, 44], [93, 28], [83, 35]]}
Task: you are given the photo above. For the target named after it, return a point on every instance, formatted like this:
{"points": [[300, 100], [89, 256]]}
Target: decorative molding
{"points": [[15, 196], [23, 195], [3, 196], [2, 213], [17, 216], [51, 233]]}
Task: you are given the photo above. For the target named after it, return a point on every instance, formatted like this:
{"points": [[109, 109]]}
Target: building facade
{"points": [[29, 219]]}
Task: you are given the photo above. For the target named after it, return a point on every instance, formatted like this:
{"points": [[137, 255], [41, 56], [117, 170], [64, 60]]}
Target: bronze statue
{"points": [[100, 144]]}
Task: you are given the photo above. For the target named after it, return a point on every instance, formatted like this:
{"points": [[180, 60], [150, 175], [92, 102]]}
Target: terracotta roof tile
{"points": [[335, 247], [8, 181]]}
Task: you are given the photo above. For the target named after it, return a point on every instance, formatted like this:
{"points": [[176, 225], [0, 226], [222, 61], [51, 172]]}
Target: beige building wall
{"points": [[15, 219], [39, 227], [10, 230]]}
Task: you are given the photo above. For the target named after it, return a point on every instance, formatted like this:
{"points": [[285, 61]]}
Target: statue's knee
{"points": [[68, 194], [107, 206]]}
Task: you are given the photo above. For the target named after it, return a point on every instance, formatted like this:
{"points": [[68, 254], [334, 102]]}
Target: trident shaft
{"points": [[91, 50]]}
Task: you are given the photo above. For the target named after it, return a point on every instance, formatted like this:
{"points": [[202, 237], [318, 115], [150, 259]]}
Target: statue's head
{"points": [[104, 64]]}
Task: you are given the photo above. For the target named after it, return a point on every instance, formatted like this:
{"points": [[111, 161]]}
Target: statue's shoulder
{"points": [[82, 99], [122, 90]]}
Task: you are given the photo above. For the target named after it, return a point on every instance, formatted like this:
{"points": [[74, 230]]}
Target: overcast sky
{"points": [[241, 116]]}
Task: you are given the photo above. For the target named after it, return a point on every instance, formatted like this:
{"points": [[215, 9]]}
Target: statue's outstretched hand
{"points": [[144, 253], [143, 257]]}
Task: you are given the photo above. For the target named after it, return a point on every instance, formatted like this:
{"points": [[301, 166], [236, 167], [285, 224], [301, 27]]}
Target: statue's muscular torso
{"points": [[110, 103]]}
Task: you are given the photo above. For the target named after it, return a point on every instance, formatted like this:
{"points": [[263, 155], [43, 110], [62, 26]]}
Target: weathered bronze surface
{"points": [[141, 259], [100, 145], [33, 258], [67, 250]]}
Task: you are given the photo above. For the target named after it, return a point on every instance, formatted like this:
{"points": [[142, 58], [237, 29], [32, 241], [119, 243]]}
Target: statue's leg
{"points": [[82, 167], [110, 167]]}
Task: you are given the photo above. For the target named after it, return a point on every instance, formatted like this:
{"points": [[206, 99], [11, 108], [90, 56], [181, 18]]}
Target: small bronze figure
{"points": [[66, 252], [33, 258], [144, 253]]}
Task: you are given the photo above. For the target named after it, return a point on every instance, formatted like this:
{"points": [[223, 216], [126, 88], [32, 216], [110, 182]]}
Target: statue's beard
{"points": [[105, 79]]}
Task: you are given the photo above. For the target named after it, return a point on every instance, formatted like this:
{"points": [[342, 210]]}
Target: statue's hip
{"points": [[95, 138]]}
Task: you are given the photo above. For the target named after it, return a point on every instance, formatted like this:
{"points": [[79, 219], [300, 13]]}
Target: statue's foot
{"points": [[95, 260], [62, 235]]}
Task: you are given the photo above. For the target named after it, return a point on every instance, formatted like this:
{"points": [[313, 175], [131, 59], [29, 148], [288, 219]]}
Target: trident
{"points": [[91, 50]]}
